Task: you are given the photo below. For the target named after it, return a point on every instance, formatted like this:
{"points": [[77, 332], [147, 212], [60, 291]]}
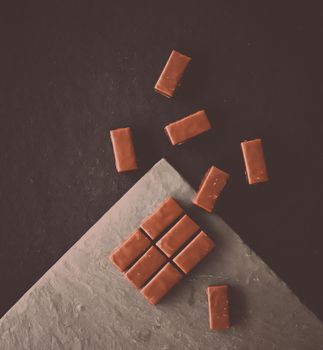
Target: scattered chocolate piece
{"points": [[186, 128], [194, 252], [218, 307], [161, 218], [172, 74], [254, 159], [145, 267], [129, 250], [123, 149], [161, 284], [210, 189], [182, 231]]}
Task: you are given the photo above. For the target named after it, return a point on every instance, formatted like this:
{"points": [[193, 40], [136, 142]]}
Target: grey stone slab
{"points": [[83, 302]]}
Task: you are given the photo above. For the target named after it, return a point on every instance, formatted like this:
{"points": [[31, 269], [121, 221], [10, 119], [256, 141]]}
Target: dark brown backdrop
{"points": [[70, 72]]}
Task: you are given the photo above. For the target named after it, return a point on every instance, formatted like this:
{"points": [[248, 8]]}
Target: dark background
{"points": [[70, 71]]}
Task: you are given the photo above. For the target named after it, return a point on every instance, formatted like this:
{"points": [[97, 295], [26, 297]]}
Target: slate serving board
{"points": [[83, 302]]}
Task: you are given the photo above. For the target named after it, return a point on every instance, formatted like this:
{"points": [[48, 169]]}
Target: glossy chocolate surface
{"points": [[210, 189], [129, 250], [161, 218], [255, 163], [172, 74], [182, 231], [124, 153], [161, 284], [194, 252], [145, 267], [186, 128], [218, 307]]}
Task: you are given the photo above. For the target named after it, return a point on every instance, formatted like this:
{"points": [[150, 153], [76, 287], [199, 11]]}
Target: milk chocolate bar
{"points": [[182, 231], [145, 267], [210, 189], [161, 284], [218, 307], [194, 252], [186, 128], [254, 159], [161, 218], [124, 153], [152, 271], [172, 74], [130, 250]]}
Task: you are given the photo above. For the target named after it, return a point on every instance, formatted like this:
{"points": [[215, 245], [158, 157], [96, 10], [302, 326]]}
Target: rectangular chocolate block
{"points": [[145, 267], [182, 231], [172, 74], [254, 159], [194, 252], [186, 128], [161, 218], [210, 189], [129, 250], [218, 307], [124, 153], [161, 284]]}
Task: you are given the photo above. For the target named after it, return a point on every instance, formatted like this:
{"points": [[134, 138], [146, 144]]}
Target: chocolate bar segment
{"points": [[254, 159], [218, 307], [172, 74], [182, 231], [145, 267], [129, 250], [210, 189], [194, 252], [161, 218], [124, 153], [161, 284], [187, 128]]}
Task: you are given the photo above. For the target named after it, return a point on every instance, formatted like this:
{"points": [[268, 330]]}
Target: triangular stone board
{"points": [[83, 302]]}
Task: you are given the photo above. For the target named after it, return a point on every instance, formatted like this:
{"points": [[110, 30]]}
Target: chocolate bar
{"points": [[161, 218], [148, 272], [124, 153], [218, 307], [194, 252], [210, 189], [186, 128], [172, 74], [161, 284], [254, 159], [130, 250], [182, 231], [145, 267]]}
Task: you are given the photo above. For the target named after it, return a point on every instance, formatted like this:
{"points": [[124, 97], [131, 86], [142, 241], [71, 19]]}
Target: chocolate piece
{"points": [[161, 284], [129, 250], [211, 187], [124, 153], [145, 267], [254, 159], [172, 74], [194, 252], [177, 235], [218, 307], [186, 128], [161, 218]]}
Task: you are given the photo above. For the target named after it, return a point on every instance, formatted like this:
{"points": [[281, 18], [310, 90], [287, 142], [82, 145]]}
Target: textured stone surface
{"points": [[83, 302]]}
